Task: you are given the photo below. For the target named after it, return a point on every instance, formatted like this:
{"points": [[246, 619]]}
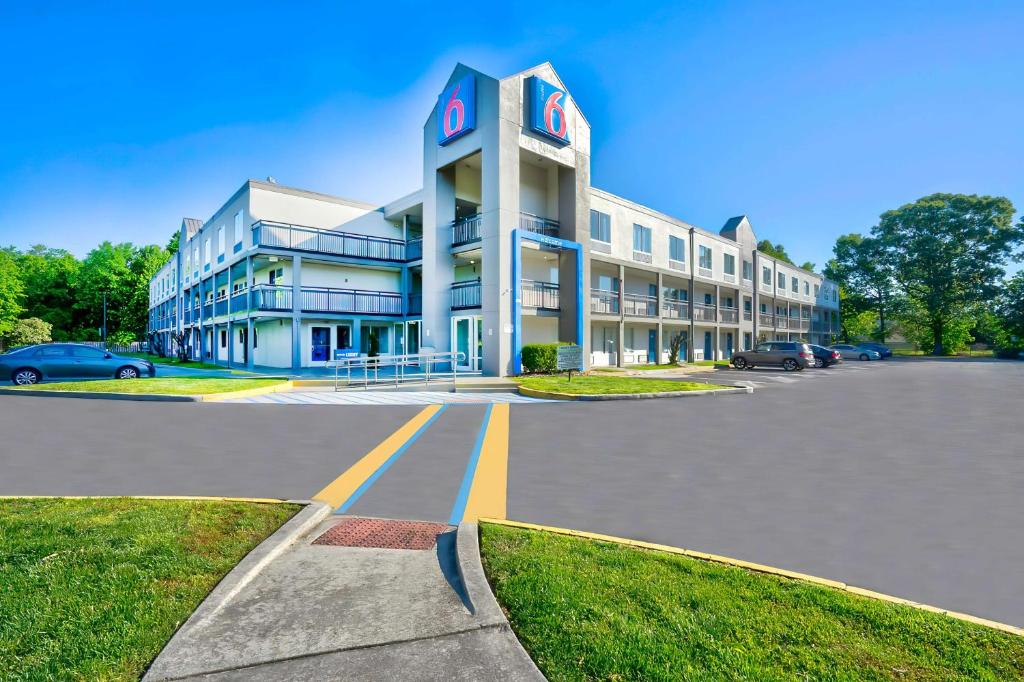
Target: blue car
{"points": [[32, 364]]}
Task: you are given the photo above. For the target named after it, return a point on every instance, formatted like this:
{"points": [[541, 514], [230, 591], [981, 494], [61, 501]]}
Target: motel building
{"points": [[506, 244]]}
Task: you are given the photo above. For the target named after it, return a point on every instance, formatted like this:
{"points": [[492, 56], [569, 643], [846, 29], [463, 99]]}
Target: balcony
{"points": [[333, 242], [186, 316], [208, 309], [540, 295], [703, 312], [414, 249], [535, 223], [466, 230], [675, 309], [239, 300], [782, 322], [639, 305], [415, 304], [271, 297], [728, 315], [221, 305], [766, 320], [748, 315], [604, 302], [802, 324], [465, 295], [328, 300]]}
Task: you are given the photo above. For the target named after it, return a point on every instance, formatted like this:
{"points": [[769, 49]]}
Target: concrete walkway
{"points": [[295, 610], [385, 398]]}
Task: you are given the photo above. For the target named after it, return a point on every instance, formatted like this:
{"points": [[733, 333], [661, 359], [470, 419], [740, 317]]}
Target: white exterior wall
{"points": [[274, 338]]}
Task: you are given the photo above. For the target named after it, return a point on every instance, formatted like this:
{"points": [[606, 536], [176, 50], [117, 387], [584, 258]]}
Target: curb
{"points": [[242, 574], [482, 600], [534, 393], [170, 498], [153, 397], [761, 568]]}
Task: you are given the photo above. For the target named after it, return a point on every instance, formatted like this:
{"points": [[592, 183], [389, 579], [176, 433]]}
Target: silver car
{"points": [[32, 364], [849, 352]]}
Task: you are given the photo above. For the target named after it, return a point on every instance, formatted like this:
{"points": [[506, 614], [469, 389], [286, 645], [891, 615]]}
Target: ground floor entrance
{"points": [[468, 339]]}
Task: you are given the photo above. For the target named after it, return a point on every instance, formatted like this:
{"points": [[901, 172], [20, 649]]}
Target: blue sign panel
{"points": [[456, 110], [340, 354], [547, 110]]}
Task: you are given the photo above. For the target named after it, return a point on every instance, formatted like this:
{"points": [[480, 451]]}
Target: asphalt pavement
{"points": [[901, 476]]}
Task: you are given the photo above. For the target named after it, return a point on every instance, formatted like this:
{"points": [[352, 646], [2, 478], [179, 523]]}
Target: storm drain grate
{"points": [[382, 534]]}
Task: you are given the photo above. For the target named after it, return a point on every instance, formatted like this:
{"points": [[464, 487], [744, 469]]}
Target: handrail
{"points": [[320, 240], [427, 361]]}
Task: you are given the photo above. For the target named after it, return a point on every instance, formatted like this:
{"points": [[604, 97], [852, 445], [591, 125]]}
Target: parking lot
{"points": [[902, 476]]}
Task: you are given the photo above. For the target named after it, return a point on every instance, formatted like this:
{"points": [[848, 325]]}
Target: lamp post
{"points": [[104, 320]]}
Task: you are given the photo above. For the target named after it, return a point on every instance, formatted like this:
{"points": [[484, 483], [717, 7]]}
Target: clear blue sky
{"points": [[812, 118]]}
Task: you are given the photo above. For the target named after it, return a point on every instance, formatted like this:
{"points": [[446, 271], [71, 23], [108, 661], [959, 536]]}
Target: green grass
{"points": [[93, 589], [712, 363], [590, 384], [646, 368], [173, 362], [156, 385], [589, 610]]}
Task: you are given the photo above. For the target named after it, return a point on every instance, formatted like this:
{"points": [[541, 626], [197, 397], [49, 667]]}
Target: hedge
{"points": [[541, 357]]}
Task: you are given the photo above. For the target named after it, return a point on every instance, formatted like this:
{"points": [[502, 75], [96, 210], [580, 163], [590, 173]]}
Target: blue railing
{"points": [[538, 224], [415, 304], [326, 300], [466, 230], [300, 238], [414, 249], [465, 295], [239, 300], [270, 297], [221, 305]]}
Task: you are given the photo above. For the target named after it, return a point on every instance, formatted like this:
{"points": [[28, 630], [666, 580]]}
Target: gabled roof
{"points": [[733, 223]]}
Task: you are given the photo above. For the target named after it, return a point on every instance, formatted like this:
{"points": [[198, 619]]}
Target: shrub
{"points": [[29, 331], [541, 357], [121, 338]]}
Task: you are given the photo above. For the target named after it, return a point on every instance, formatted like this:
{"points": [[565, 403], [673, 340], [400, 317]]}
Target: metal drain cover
{"points": [[382, 534]]}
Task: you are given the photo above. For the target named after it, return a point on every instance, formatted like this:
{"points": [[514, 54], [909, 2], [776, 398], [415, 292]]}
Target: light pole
{"points": [[104, 320]]}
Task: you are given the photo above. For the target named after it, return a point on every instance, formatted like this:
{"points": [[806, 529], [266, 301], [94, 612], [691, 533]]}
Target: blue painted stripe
{"points": [[467, 480], [354, 497]]}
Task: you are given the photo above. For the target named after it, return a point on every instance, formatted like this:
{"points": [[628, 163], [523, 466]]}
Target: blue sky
{"points": [[811, 118]]}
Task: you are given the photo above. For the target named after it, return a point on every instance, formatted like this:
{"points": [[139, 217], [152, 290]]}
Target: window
{"points": [[600, 226], [52, 352], [782, 281], [796, 286], [676, 249], [748, 270], [220, 243], [238, 228], [807, 288], [195, 256], [209, 255], [766, 275], [708, 300], [223, 338], [729, 263], [641, 238], [607, 283], [834, 297], [705, 257]]}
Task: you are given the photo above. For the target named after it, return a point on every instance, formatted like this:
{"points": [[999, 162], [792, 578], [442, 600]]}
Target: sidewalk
{"points": [[299, 610]]}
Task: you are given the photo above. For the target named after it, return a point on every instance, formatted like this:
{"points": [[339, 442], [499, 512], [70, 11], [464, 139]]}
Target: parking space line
{"points": [[343, 491], [484, 486]]}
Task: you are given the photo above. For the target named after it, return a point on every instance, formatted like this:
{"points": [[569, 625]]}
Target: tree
{"points": [[28, 332], [774, 250], [1009, 307], [675, 344], [172, 245], [948, 251], [50, 278], [122, 271], [808, 265], [861, 268], [144, 263], [11, 291]]}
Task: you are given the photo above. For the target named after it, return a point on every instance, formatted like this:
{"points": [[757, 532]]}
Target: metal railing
{"points": [[239, 300], [466, 230], [731, 315], [540, 295], [702, 312], [675, 309], [398, 369], [538, 224], [766, 319], [271, 297], [640, 305], [748, 315], [208, 310], [328, 300], [414, 249], [604, 302], [782, 322], [300, 238], [465, 295], [221, 305]]}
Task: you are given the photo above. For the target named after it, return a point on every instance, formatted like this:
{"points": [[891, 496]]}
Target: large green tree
{"points": [[1010, 308], [948, 252], [11, 290], [106, 270], [774, 250], [861, 268], [50, 280], [144, 263]]}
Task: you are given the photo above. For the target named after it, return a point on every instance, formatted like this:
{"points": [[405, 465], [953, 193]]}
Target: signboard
{"points": [[547, 110], [570, 357], [345, 353], [456, 110]]}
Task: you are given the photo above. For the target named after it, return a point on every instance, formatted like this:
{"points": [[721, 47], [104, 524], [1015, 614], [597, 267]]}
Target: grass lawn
{"points": [[712, 363], [173, 362], [645, 368], [166, 386], [592, 610], [591, 384], [93, 589]]}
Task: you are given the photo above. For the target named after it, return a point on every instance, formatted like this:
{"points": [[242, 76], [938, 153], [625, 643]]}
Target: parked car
{"points": [[32, 364], [825, 357], [884, 351], [789, 355], [847, 350]]}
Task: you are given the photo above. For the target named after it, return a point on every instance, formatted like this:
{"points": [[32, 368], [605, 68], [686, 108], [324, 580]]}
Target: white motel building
{"points": [[506, 244]]}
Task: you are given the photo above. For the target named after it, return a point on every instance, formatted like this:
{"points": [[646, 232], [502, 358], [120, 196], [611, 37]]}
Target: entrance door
{"points": [[243, 338], [467, 339], [321, 344], [652, 346], [707, 346], [412, 338], [344, 337], [728, 346]]}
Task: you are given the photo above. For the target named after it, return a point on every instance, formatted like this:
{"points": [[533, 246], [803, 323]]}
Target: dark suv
{"points": [[790, 355]]}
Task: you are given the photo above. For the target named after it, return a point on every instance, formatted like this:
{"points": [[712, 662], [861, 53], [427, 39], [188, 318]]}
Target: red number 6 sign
{"points": [[456, 110]]}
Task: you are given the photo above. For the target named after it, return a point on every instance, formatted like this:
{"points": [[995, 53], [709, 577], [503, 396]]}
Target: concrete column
{"points": [[661, 329], [296, 313], [231, 342], [357, 335], [621, 354], [250, 331], [691, 346]]}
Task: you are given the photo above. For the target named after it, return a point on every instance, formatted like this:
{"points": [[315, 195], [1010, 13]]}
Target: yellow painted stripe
{"points": [[760, 568], [342, 488], [489, 492]]}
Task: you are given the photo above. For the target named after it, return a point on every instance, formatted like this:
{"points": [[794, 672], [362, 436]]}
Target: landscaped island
{"points": [[607, 384]]}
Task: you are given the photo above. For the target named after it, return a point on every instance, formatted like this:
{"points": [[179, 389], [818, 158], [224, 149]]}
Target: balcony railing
{"points": [[802, 325], [271, 297], [642, 256], [465, 295], [327, 300], [676, 264], [538, 224], [639, 305], [221, 305], [317, 240], [415, 304], [782, 322], [604, 302], [729, 277], [748, 315], [766, 319], [186, 316], [540, 295], [675, 309], [239, 300], [703, 312], [466, 230], [414, 249], [731, 315]]}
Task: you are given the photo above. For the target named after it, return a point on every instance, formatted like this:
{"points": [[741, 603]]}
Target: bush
{"points": [[28, 332], [121, 338], [541, 357]]}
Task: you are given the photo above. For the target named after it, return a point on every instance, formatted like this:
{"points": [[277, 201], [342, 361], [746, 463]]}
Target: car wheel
{"points": [[127, 373], [864, 356], [819, 363], [739, 363], [789, 364], [26, 377]]}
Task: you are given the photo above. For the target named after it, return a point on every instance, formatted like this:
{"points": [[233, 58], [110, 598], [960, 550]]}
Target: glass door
{"points": [[467, 339]]}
